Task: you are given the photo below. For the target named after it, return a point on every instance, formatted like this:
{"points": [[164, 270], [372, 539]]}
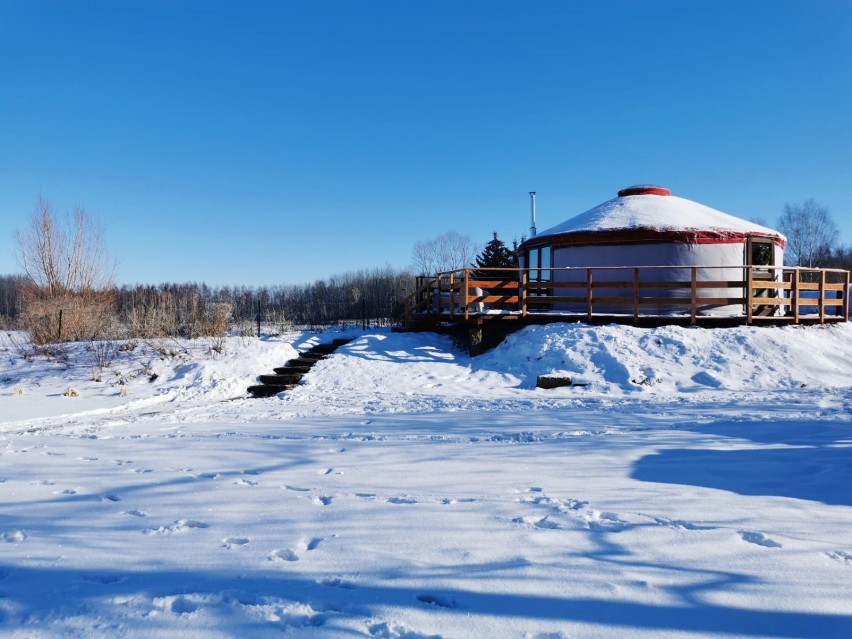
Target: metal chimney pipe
{"points": [[532, 228]]}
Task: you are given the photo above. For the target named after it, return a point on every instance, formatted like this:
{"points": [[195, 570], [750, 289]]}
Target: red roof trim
{"points": [[644, 189], [643, 236]]}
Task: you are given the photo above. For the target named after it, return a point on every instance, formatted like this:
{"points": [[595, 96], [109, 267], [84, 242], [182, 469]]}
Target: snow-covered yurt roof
{"points": [[652, 213]]}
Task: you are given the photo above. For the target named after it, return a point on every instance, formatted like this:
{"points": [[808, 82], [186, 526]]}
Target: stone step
{"points": [[292, 370], [281, 379], [268, 390], [313, 356], [302, 361], [287, 377], [322, 349]]}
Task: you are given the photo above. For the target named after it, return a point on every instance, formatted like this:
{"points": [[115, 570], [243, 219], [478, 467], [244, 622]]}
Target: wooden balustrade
{"points": [[767, 293]]}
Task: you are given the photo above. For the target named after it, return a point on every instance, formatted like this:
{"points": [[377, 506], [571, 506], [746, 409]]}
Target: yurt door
{"points": [[760, 253], [539, 263]]}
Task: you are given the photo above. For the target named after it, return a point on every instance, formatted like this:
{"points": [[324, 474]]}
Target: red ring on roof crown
{"points": [[644, 189]]}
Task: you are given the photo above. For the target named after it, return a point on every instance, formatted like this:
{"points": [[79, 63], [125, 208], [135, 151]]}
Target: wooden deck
{"points": [[638, 295]]}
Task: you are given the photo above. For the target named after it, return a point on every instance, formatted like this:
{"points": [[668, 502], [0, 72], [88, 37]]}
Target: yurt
{"points": [[647, 226]]}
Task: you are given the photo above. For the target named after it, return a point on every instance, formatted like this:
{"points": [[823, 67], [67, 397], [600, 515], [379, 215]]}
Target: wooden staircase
{"points": [[288, 376]]}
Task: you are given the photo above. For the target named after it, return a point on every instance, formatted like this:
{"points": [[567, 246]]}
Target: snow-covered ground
{"points": [[698, 485]]}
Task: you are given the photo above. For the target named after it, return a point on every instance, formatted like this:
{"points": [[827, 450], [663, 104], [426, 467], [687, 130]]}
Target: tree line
{"points": [[369, 295], [67, 292], [194, 309]]}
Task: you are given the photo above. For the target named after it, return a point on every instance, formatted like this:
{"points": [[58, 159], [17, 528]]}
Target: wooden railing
{"points": [[783, 293]]}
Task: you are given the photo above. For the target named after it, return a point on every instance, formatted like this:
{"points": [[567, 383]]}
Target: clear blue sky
{"points": [[280, 142]]}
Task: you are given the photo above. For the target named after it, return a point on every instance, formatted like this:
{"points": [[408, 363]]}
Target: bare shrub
{"points": [[167, 347], [69, 317], [23, 346], [210, 320], [69, 273], [217, 345], [102, 353]]}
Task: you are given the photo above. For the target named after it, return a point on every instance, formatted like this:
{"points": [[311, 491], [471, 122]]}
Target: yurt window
{"points": [[538, 261], [761, 251]]}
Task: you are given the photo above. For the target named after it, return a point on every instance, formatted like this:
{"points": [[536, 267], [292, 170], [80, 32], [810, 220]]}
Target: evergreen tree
{"points": [[495, 255]]}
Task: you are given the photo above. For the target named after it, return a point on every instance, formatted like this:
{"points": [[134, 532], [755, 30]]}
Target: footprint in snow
{"points": [[179, 605], [574, 504], [439, 601], [245, 482], [842, 556], [402, 499], [604, 522], [759, 539], [67, 491], [110, 497], [230, 542], [299, 615], [337, 582], [134, 513], [323, 500], [297, 489], [179, 526], [13, 537], [536, 522], [325, 471], [285, 554], [104, 580], [679, 524], [313, 543], [369, 496], [207, 475], [387, 630]]}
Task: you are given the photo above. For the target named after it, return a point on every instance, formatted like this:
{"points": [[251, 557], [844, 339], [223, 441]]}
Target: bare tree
{"points": [[811, 233], [67, 255], [841, 257], [446, 252], [67, 291]]}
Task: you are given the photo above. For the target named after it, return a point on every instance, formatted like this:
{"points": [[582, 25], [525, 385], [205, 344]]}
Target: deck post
{"points": [[693, 296], [525, 278], [822, 296], [845, 306], [466, 291], [795, 296], [452, 294], [748, 295], [636, 296], [589, 295]]}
